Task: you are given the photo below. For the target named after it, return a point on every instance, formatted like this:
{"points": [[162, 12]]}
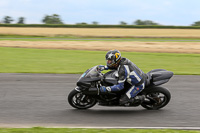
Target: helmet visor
{"points": [[110, 63]]}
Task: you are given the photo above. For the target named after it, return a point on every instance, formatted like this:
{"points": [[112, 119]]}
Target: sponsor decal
{"points": [[116, 55]]}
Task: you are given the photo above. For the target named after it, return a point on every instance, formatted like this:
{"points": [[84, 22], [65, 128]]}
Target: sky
{"points": [[165, 12]]}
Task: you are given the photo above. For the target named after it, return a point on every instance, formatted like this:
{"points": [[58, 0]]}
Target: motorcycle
{"points": [[87, 93]]}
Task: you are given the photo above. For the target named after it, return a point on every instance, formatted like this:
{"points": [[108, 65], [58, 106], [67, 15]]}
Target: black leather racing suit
{"points": [[129, 72]]}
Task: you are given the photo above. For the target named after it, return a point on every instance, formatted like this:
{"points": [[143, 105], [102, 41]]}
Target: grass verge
{"points": [[90, 38], [23, 60], [84, 130]]}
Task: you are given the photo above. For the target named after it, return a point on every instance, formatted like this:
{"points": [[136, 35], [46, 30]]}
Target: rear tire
{"points": [[156, 98], [80, 101]]}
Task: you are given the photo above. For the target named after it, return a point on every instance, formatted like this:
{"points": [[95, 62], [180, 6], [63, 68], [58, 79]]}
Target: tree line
{"points": [[56, 19]]}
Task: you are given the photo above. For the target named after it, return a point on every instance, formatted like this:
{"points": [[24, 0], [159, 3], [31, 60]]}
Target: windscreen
{"points": [[92, 72]]}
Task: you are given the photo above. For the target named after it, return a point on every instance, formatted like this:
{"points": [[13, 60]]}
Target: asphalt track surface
{"points": [[29, 100]]}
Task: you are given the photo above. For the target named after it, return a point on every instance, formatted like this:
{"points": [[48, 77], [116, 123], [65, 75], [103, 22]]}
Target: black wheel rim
{"points": [[80, 100], [155, 100]]}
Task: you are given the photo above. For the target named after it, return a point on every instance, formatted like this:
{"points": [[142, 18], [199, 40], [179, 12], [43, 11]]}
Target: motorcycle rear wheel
{"points": [[156, 98], [80, 101]]}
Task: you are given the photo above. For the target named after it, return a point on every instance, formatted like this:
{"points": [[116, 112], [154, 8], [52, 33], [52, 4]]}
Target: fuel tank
{"points": [[110, 78]]}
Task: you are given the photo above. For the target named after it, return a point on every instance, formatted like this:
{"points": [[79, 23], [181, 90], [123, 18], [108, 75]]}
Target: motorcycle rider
{"points": [[127, 72]]}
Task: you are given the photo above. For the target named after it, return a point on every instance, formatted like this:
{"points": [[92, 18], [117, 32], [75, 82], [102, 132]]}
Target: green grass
{"points": [[22, 60], [84, 130], [78, 38]]}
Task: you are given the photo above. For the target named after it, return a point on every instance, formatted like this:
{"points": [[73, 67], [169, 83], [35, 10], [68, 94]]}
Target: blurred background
{"points": [[69, 36]]}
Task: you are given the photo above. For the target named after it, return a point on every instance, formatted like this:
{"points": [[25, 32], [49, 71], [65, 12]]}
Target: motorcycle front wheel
{"points": [[80, 101], [156, 98]]}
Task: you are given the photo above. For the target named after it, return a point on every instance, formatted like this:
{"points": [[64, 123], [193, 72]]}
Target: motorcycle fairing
{"points": [[86, 82], [157, 77], [86, 79]]}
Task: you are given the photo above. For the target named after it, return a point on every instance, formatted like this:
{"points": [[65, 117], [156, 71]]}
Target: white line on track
{"points": [[178, 128], [71, 126]]}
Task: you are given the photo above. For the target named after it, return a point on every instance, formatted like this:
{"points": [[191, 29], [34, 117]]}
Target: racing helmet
{"points": [[113, 58]]}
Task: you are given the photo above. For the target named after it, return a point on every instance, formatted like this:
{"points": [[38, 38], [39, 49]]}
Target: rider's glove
{"points": [[100, 68], [105, 89]]}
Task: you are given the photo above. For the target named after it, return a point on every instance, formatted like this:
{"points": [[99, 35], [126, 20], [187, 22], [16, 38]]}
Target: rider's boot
{"points": [[137, 99], [124, 99]]}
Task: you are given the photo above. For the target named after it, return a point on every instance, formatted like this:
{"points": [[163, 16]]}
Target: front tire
{"points": [[156, 98], [80, 101]]}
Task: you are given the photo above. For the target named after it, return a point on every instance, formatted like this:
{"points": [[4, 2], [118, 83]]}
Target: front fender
{"points": [[78, 89]]}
